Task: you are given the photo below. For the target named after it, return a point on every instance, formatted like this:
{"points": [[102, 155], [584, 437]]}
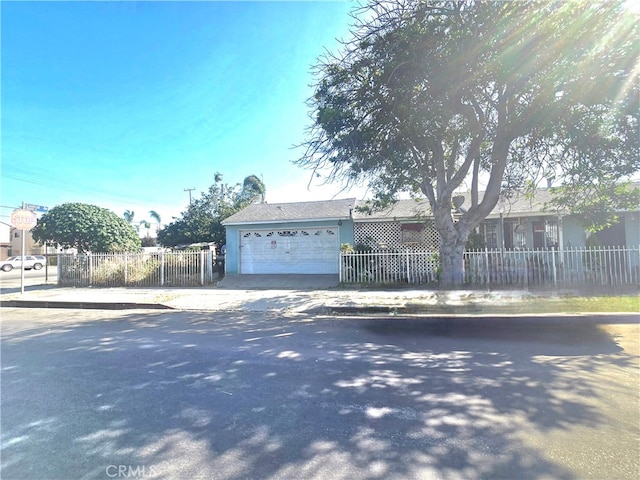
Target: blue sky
{"points": [[126, 104]]}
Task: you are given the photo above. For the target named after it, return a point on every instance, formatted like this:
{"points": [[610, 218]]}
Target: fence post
{"points": [[201, 267], [408, 267], [90, 261], [162, 269], [553, 266]]}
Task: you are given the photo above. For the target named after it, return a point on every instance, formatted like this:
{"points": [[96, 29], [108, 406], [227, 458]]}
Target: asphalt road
{"points": [[194, 395], [11, 280]]}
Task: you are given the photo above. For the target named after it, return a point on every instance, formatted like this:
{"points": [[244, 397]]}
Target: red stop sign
{"points": [[23, 219]]}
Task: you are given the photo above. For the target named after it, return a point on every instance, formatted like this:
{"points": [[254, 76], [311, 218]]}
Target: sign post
{"points": [[24, 220]]}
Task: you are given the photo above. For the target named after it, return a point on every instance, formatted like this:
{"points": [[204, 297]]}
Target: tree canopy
{"points": [[201, 222], [88, 228], [434, 97]]}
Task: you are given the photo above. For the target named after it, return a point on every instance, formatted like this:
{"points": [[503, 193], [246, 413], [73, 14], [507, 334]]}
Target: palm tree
{"points": [[145, 224], [128, 215], [155, 216]]}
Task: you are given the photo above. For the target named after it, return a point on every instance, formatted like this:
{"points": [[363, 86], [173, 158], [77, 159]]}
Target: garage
{"points": [[296, 251], [299, 238]]}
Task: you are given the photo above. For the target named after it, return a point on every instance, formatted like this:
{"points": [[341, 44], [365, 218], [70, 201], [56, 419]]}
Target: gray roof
{"points": [[292, 212], [402, 209], [407, 210], [419, 209]]}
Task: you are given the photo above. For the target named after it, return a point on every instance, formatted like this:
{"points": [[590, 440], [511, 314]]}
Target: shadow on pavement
{"points": [[203, 395]]}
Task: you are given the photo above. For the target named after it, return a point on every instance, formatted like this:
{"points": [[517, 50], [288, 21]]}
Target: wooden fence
{"points": [[180, 269], [605, 266]]}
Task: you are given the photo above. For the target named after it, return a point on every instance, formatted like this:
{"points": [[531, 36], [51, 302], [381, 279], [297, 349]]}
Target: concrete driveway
{"points": [[213, 395]]}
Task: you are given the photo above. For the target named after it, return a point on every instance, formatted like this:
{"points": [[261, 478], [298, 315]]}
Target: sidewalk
{"points": [[247, 300], [340, 301]]}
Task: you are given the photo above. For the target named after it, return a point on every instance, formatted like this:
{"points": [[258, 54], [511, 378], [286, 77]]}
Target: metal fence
{"points": [[606, 266], [180, 269]]}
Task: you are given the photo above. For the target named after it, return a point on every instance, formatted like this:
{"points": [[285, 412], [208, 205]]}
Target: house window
{"points": [[491, 235], [411, 233], [16, 235], [519, 237], [545, 234]]}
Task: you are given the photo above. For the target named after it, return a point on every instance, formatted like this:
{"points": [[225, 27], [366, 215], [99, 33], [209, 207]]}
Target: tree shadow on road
{"points": [[202, 395]]}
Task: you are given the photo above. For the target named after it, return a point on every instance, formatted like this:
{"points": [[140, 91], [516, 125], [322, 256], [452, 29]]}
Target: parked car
{"points": [[29, 262]]}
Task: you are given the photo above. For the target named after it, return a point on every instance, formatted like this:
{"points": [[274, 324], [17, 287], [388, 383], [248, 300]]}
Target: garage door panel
{"points": [[305, 251]]}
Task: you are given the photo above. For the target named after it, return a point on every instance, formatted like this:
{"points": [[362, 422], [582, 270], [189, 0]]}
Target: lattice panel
{"points": [[389, 235]]}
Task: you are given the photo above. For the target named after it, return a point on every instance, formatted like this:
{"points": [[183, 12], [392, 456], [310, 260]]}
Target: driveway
{"points": [[213, 395]]}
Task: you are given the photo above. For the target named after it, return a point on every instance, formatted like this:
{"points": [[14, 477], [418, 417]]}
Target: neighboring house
{"points": [[5, 240], [31, 247], [296, 238], [306, 237]]}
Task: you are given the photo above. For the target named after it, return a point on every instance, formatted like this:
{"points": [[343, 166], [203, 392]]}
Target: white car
{"points": [[15, 262]]}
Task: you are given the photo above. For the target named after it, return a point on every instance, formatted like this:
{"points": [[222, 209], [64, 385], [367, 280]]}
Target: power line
{"points": [[60, 185]]}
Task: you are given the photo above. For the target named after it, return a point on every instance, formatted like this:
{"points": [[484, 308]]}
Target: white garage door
{"points": [[307, 251]]}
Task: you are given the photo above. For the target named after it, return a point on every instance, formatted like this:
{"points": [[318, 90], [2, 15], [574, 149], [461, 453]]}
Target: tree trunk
{"points": [[452, 263], [453, 238]]}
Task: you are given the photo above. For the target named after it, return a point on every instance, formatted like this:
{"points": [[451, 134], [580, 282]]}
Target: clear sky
{"points": [[126, 104]]}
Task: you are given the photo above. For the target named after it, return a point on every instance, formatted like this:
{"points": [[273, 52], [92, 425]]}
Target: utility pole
{"points": [[189, 190]]}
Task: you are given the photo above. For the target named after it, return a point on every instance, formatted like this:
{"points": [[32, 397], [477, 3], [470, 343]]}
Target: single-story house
{"points": [[305, 237], [521, 222]]}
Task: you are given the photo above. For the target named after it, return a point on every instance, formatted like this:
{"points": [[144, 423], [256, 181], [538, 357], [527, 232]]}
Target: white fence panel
{"points": [[388, 267], [137, 269], [605, 266]]}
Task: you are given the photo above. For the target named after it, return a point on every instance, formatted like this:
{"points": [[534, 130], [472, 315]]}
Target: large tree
{"points": [[88, 228], [201, 222], [430, 96]]}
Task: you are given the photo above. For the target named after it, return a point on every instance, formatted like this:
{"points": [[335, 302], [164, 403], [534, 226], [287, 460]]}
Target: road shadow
{"points": [[28, 288], [211, 395]]}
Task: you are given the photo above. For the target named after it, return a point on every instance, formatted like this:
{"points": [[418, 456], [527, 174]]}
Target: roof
{"points": [[419, 209], [407, 210], [291, 212], [402, 209], [517, 206]]}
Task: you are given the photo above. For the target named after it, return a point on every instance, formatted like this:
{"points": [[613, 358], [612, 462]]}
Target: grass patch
{"points": [[629, 304], [597, 304]]}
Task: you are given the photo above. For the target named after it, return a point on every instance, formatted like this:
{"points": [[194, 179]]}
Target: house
{"points": [[31, 247], [294, 238], [5, 240], [520, 222], [306, 237]]}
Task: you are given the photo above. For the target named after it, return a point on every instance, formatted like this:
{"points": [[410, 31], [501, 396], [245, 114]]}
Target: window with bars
{"points": [[490, 235], [545, 234]]}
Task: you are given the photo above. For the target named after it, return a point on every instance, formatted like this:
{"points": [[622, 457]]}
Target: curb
{"points": [[443, 322], [83, 305]]}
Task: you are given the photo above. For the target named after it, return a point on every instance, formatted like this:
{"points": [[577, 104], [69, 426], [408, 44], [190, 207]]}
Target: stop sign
{"points": [[23, 219]]}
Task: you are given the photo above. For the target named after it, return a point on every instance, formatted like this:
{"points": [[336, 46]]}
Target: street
{"points": [[212, 395], [11, 280]]}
